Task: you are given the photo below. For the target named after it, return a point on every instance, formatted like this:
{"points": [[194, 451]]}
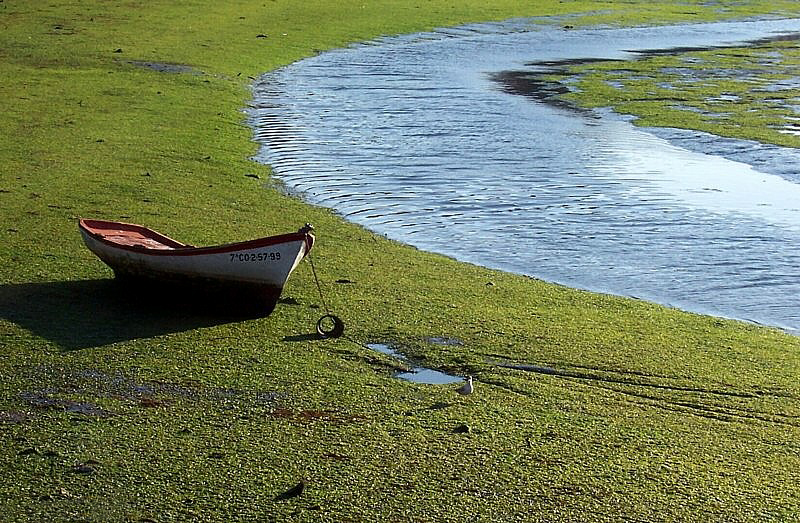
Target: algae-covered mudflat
{"points": [[587, 407]]}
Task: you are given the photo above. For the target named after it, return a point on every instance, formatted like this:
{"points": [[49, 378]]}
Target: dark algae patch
{"points": [[739, 92], [111, 412]]}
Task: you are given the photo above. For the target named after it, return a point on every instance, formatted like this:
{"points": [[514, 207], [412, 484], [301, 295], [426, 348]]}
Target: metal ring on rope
{"points": [[335, 330]]}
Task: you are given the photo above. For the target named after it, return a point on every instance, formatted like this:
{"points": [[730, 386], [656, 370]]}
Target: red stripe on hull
{"points": [[148, 262], [137, 240]]}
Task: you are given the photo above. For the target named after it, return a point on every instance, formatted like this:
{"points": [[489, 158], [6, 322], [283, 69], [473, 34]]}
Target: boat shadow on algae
{"points": [[89, 313]]}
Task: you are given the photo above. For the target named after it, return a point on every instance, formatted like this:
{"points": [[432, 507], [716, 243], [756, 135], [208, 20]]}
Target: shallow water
{"points": [[415, 137], [417, 374]]}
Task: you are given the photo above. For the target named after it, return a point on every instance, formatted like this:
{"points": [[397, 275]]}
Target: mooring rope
{"points": [[338, 325], [319, 287]]}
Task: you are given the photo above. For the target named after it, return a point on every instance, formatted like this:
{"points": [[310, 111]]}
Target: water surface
{"points": [[416, 374], [418, 138]]}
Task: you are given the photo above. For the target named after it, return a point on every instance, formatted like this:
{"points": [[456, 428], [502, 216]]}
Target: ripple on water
{"points": [[415, 138]]}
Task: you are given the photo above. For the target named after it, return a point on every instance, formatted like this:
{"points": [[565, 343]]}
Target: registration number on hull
{"points": [[245, 257]]}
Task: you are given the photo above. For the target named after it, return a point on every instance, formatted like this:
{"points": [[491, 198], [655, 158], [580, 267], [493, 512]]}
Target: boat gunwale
{"points": [[179, 249]]}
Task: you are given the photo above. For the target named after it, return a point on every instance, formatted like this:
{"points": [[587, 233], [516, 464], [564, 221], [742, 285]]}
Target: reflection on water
{"points": [[416, 374], [411, 137]]}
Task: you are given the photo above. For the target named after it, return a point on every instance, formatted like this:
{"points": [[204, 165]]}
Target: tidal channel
{"points": [[422, 138]]}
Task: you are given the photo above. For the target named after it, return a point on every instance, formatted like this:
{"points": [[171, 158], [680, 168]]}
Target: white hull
{"points": [[253, 269]]}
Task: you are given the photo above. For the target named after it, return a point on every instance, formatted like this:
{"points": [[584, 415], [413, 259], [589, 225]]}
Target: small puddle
{"points": [[416, 374]]}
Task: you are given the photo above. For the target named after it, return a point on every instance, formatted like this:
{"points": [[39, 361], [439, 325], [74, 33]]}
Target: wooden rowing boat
{"points": [[245, 275]]}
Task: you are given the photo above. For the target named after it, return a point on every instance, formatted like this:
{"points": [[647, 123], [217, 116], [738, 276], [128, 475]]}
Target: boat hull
{"points": [[238, 276]]}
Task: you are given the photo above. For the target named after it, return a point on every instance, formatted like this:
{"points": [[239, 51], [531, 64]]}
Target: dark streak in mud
{"points": [[536, 82]]}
